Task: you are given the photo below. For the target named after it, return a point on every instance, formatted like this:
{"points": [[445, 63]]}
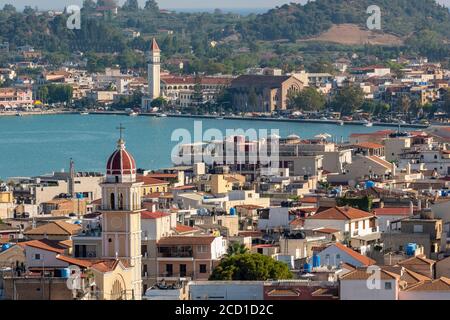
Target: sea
{"points": [[42, 144]]}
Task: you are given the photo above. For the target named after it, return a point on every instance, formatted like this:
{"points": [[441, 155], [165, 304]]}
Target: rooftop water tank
{"points": [[77, 222], [65, 273], [232, 212], [5, 246], [316, 261], [307, 267], [411, 249], [370, 184]]}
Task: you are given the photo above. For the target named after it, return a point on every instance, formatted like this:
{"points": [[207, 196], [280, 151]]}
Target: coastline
{"points": [[147, 114]]}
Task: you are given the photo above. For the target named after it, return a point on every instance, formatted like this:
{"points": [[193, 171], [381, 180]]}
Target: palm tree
{"points": [[236, 248]]}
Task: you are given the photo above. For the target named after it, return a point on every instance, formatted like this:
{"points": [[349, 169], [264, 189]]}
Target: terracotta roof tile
{"points": [[55, 228], [364, 274], [441, 284], [369, 145], [417, 260], [151, 181], [340, 213], [44, 244], [357, 256], [397, 211], [153, 215], [180, 228]]}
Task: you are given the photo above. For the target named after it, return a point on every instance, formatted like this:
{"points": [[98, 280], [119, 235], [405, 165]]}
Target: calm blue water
{"points": [[33, 145]]}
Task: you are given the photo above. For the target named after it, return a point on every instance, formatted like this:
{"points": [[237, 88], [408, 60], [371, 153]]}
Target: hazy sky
{"points": [[57, 4]]}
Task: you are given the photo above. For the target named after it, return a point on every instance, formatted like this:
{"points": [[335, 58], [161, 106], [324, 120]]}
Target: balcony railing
{"points": [[175, 254], [176, 275]]}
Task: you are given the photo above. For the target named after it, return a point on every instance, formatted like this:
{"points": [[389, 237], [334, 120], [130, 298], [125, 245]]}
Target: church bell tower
{"points": [[121, 212]]}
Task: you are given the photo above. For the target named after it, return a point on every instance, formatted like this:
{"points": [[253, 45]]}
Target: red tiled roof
{"points": [[297, 222], [150, 181], [154, 46], [340, 213], [393, 211], [441, 284], [376, 133], [327, 230], [153, 215], [369, 145], [249, 206], [74, 261], [189, 80], [366, 261], [181, 228], [44, 244], [162, 175], [156, 195], [309, 200]]}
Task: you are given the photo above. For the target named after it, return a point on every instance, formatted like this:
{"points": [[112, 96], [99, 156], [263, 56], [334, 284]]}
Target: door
{"points": [[182, 270], [169, 270]]}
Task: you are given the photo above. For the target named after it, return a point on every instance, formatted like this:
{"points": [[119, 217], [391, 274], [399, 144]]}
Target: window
{"points": [[387, 286], [182, 270], [203, 268], [37, 256], [418, 228], [202, 249]]}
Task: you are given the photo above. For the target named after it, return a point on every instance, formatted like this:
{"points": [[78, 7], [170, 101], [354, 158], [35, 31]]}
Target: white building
{"points": [[358, 285]]}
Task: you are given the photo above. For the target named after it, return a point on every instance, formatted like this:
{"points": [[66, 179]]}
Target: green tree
{"points": [[197, 97], [252, 99], [89, 5], [404, 103], [236, 248], [446, 104], [9, 8], [59, 93], [250, 266], [151, 5], [159, 102], [348, 99], [309, 99], [131, 5]]}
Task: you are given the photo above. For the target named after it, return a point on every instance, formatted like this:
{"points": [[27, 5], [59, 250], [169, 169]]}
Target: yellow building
{"points": [[151, 185], [6, 204], [121, 223]]}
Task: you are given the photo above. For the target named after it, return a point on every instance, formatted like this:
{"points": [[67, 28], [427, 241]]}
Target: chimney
{"points": [[382, 204], [411, 208], [419, 205]]}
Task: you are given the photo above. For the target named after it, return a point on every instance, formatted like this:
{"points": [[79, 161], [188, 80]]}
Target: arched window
{"points": [[121, 201], [112, 202]]}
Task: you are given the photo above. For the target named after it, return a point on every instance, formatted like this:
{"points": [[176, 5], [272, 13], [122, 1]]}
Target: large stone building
{"points": [[261, 93]]}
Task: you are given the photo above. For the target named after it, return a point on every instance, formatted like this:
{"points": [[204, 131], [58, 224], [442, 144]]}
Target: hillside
{"points": [[399, 17], [352, 34]]}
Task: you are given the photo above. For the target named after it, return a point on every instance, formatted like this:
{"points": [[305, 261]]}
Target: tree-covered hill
{"points": [[400, 17]]}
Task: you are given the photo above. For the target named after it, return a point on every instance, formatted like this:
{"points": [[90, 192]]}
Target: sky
{"points": [[58, 4]]}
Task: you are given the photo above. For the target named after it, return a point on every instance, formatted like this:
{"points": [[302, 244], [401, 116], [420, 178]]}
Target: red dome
{"points": [[121, 162]]}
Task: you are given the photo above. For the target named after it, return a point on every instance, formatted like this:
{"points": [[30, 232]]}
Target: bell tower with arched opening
{"points": [[121, 212]]}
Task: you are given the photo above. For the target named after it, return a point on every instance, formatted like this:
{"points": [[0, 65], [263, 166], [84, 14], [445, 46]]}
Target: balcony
{"points": [[177, 275], [176, 252]]}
